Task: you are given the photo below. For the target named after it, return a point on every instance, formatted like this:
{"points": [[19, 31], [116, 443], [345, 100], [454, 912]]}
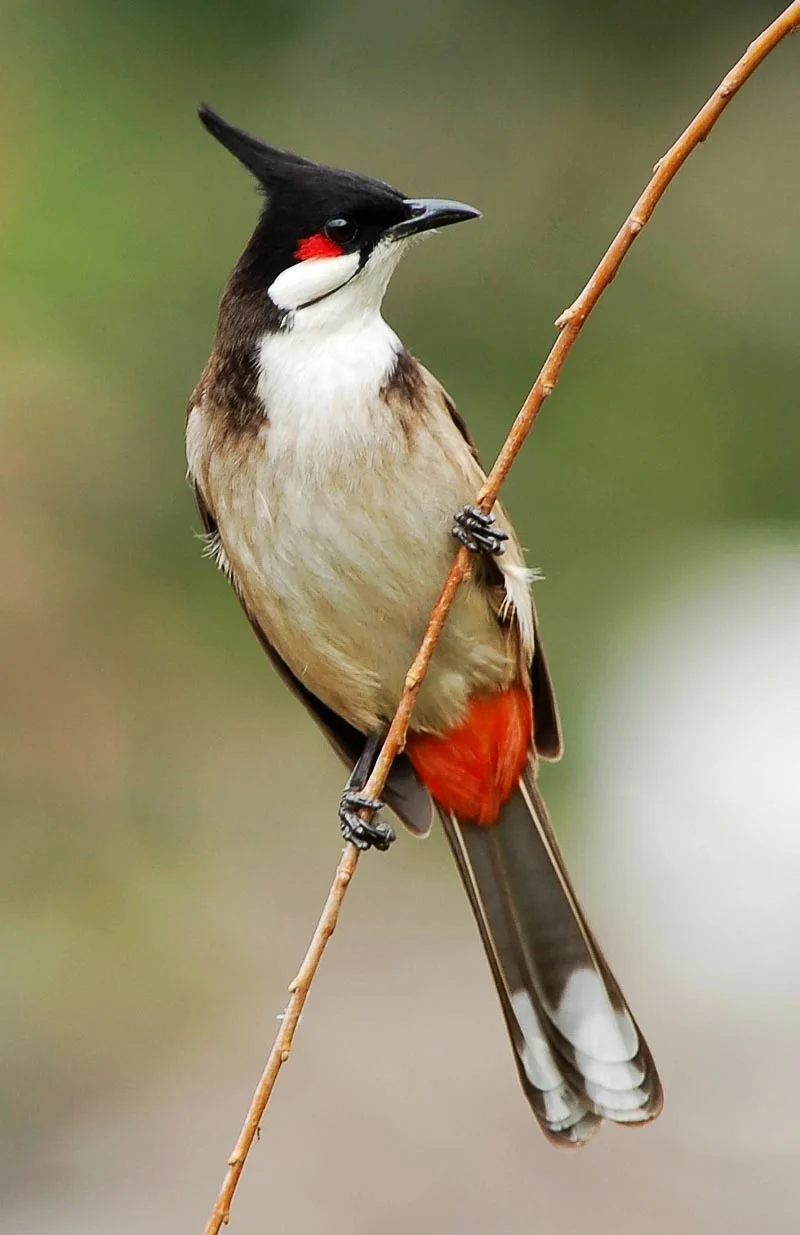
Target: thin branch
{"points": [[283, 1043], [570, 324]]}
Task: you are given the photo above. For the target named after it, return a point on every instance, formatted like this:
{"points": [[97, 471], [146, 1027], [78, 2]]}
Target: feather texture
{"points": [[580, 1055]]}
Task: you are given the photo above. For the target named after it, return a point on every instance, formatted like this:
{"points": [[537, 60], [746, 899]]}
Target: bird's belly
{"points": [[341, 570]]}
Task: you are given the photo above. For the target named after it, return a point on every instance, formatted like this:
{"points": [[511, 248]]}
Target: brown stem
{"points": [[570, 324], [281, 1048]]}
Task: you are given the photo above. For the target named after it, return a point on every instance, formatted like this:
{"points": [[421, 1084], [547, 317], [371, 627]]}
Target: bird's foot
{"points": [[475, 530], [365, 834]]}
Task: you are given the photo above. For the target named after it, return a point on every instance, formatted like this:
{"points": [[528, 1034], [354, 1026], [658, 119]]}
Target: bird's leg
{"points": [[365, 834], [475, 530]]}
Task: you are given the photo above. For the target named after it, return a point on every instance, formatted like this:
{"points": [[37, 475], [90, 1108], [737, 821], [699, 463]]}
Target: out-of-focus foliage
{"points": [[150, 757]]}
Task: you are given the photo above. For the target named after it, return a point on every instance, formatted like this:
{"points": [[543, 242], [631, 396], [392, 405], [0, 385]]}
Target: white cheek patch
{"points": [[311, 279]]}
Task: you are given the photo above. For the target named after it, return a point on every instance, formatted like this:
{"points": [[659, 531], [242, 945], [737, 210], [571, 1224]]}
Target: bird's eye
{"points": [[341, 231]]}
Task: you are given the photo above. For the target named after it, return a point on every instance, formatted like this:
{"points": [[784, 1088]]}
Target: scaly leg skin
{"points": [[474, 529], [369, 834], [364, 834]]}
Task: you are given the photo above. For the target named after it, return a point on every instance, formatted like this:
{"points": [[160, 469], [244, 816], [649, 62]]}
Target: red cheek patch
{"points": [[317, 246]]}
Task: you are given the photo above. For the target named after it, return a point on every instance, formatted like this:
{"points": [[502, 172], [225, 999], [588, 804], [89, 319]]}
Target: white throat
{"points": [[325, 380], [321, 378]]}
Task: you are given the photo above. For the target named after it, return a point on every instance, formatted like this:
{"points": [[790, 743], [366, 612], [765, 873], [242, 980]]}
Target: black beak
{"points": [[430, 212]]}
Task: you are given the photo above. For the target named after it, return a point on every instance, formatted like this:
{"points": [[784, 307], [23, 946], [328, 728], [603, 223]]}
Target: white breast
{"points": [[321, 390], [336, 525]]}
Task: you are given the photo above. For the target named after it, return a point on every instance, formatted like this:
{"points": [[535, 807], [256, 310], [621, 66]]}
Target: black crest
{"points": [[303, 198]]}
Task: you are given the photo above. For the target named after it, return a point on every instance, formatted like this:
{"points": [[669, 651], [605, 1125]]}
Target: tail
{"points": [[580, 1055]]}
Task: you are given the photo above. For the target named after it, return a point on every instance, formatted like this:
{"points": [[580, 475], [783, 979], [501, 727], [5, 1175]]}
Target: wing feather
{"points": [[404, 792], [503, 589]]}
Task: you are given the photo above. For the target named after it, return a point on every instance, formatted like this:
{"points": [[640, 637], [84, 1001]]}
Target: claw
{"points": [[365, 834], [474, 529]]}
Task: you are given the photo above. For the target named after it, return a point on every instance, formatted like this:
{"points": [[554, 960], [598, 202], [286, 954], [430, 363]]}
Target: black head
{"points": [[313, 211]]}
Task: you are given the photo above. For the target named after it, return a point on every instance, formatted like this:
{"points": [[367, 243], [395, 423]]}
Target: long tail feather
{"points": [[580, 1055]]}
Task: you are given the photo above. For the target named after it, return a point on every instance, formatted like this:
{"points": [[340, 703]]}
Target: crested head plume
{"points": [[277, 169], [320, 212], [268, 164]]}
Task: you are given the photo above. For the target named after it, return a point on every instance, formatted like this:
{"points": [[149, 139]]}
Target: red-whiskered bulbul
{"points": [[332, 472]]}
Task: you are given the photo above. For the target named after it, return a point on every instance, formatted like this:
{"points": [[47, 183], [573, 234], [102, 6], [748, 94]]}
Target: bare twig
{"points": [[569, 324], [283, 1043]]}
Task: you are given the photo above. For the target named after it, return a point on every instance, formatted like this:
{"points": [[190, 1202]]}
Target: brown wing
{"points": [[404, 793], [547, 737], [461, 424]]}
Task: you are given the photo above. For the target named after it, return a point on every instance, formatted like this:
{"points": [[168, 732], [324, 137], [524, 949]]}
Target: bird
{"points": [[334, 478]]}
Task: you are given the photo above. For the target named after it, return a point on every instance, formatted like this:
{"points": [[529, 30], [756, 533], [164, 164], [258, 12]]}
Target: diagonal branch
{"points": [[569, 324]]}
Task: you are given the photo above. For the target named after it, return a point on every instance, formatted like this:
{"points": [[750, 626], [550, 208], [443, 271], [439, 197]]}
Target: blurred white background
{"points": [[399, 1109], [168, 813]]}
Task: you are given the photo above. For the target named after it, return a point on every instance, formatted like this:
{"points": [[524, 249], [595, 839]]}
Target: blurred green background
{"points": [[168, 812]]}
